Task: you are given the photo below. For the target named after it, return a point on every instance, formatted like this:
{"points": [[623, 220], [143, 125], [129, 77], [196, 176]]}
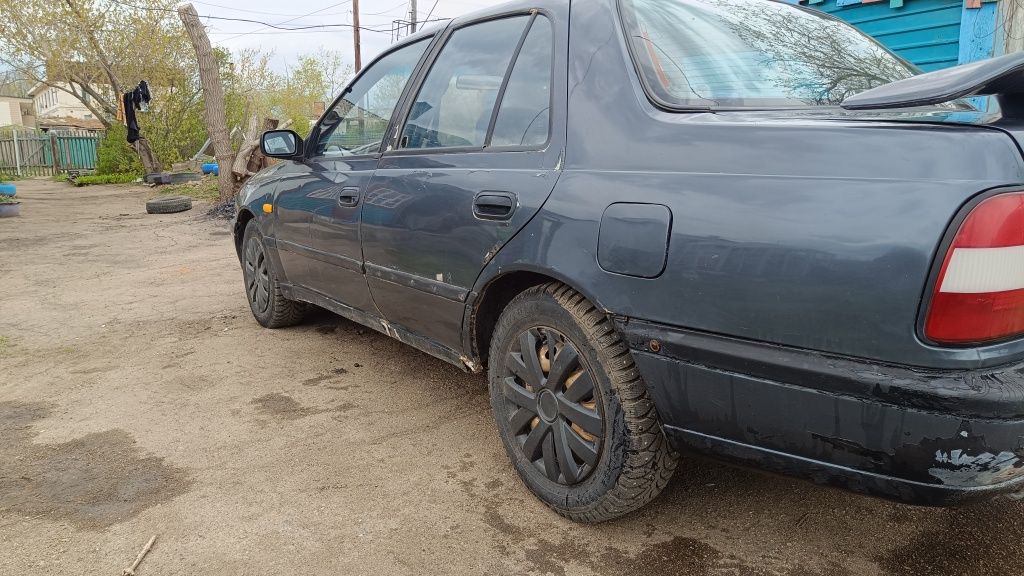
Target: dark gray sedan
{"points": [[669, 224]]}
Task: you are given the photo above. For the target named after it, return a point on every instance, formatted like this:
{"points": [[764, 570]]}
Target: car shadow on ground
{"points": [[713, 515]]}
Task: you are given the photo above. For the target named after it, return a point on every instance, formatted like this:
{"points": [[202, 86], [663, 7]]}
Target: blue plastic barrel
{"points": [[211, 168], [8, 190]]}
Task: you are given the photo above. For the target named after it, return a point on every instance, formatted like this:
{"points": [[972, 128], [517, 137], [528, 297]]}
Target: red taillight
{"points": [[979, 294]]}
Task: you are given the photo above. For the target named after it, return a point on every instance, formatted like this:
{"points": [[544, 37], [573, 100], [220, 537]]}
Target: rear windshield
{"points": [[751, 53]]}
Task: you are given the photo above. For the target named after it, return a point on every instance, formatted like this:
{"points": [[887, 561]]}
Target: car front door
{"points": [[328, 186], [474, 160]]}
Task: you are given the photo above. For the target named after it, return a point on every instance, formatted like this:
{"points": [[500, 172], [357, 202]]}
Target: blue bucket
{"points": [[211, 168]]}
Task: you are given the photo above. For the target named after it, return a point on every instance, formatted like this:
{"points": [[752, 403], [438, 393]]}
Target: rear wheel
{"points": [[571, 407], [270, 308]]}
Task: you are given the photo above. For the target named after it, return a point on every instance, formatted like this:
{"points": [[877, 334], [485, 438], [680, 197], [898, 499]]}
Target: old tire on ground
{"points": [[577, 424], [169, 205], [8, 190], [262, 289]]}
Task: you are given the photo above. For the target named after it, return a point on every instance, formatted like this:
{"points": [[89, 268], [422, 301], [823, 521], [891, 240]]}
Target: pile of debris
{"points": [[248, 161]]}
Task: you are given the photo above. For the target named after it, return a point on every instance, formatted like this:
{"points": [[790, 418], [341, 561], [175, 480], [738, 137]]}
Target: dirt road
{"points": [[138, 397]]}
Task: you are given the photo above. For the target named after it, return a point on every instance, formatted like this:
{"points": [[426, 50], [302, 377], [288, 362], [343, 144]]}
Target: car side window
{"points": [[456, 101], [524, 114], [357, 123]]}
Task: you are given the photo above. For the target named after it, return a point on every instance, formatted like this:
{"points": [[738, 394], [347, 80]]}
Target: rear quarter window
{"points": [[524, 115]]}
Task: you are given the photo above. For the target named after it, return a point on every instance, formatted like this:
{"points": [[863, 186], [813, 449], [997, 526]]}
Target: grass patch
{"points": [[59, 178], [8, 177], [91, 179], [205, 189], [5, 345], [9, 199]]}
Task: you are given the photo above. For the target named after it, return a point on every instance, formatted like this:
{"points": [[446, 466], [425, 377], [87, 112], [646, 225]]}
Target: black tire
{"points": [[262, 289], [169, 205], [633, 461]]}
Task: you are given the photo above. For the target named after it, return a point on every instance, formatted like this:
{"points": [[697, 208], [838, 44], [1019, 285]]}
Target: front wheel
{"points": [[270, 308], [572, 409]]}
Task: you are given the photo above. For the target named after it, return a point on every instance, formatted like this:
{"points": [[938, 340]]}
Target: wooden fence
{"points": [[33, 153]]}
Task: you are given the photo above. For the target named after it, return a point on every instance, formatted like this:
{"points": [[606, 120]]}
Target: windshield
{"points": [[751, 53]]}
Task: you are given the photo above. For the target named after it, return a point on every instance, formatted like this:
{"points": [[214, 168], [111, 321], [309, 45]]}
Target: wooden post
{"points": [[149, 162], [355, 34], [213, 95], [17, 153], [54, 154]]}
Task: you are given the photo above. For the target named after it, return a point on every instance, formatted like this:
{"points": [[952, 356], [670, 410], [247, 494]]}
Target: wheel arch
{"points": [[244, 216], [486, 303]]}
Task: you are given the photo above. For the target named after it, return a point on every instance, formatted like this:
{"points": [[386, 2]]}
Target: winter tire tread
{"points": [[648, 461], [282, 311]]}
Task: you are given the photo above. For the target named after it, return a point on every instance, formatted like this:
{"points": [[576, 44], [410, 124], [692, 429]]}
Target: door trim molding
{"points": [[334, 259], [436, 287]]}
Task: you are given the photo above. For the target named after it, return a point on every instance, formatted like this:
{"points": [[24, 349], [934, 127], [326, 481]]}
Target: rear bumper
{"points": [[926, 437]]}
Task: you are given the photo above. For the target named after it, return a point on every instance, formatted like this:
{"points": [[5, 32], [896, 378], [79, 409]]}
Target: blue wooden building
{"points": [[933, 34]]}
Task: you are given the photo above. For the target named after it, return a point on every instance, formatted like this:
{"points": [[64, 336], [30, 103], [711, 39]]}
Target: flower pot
{"points": [[8, 189], [8, 210]]}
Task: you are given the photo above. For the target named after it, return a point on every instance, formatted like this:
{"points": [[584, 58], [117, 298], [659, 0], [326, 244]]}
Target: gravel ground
{"points": [[138, 397]]}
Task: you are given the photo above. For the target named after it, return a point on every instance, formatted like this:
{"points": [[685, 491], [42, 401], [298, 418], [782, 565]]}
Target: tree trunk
{"points": [[149, 162], [213, 94]]}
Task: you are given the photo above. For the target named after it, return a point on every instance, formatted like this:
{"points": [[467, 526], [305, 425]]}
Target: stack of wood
{"points": [[250, 158]]}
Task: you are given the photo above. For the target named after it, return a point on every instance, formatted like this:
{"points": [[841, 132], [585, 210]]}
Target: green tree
{"points": [[96, 50], [316, 77], [81, 47], [114, 155]]}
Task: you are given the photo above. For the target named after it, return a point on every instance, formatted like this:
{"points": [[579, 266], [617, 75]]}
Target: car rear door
{"points": [[344, 150], [473, 161]]}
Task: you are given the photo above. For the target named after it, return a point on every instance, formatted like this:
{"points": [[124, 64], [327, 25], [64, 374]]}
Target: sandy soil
{"points": [[138, 397]]}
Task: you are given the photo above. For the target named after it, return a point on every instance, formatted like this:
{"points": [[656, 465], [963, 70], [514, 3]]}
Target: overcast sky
{"points": [[376, 14]]}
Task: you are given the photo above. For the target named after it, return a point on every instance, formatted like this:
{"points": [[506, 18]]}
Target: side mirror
{"points": [[331, 118], [284, 144]]}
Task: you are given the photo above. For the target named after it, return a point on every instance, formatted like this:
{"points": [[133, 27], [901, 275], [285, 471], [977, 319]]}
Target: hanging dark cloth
{"points": [[133, 101]]}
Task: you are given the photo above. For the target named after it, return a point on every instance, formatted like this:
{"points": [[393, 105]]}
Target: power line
{"points": [[260, 22], [280, 32], [292, 20], [303, 31], [256, 11], [431, 13], [395, 7], [279, 29]]}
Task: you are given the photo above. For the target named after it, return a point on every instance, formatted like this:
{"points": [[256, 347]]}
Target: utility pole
{"points": [[355, 34], [412, 16]]}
